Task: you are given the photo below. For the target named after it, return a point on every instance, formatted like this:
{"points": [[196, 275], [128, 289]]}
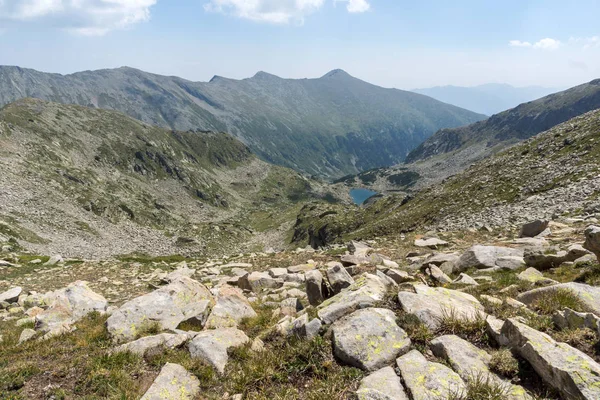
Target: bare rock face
{"points": [[314, 287], [534, 228], [173, 383], [151, 345], [211, 346], [230, 309], [338, 277], [67, 306], [427, 380], [369, 339], [381, 385], [367, 290], [592, 240], [167, 307], [485, 257], [431, 304], [574, 374]]}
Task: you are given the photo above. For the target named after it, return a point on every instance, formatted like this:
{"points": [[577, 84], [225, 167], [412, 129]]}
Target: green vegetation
{"points": [[482, 387], [472, 329], [549, 302], [504, 363]]}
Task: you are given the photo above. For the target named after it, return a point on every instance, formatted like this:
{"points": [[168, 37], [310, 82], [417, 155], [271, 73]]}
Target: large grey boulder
{"points": [[211, 346], [532, 275], [166, 307], [365, 292], [426, 380], [381, 385], [485, 257], [67, 306], [534, 228], [588, 295], [304, 329], [173, 383], [314, 287], [430, 304], [570, 319], [592, 240], [436, 274], [11, 295], [574, 374], [359, 248], [471, 362], [338, 277], [153, 345], [258, 281], [399, 276], [369, 339], [432, 243], [230, 309]]}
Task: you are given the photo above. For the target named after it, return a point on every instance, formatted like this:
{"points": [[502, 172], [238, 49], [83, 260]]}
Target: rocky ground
{"points": [[488, 314]]}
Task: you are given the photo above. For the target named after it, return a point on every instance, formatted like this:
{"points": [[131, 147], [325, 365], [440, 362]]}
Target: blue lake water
{"points": [[359, 196]]}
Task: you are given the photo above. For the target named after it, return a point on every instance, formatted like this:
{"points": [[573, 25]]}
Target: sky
{"points": [[391, 43]]}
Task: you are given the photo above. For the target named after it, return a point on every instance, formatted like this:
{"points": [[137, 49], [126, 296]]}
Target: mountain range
{"points": [[488, 99], [330, 126]]}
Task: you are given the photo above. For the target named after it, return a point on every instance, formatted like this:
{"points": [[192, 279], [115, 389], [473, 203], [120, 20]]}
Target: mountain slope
{"points": [[486, 99], [556, 173], [96, 183], [482, 138], [330, 126]]}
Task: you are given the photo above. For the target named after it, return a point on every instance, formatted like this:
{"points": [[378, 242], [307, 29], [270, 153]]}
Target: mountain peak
{"points": [[264, 75], [338, 73]]}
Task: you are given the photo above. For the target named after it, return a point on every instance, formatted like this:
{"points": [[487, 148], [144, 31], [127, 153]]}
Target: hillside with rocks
{"points": [[553, 174], [94, 184], [329, 126], [458, 315]]}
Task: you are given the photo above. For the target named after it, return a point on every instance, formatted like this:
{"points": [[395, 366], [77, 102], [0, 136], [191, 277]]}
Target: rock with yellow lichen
{"points": [[164, 308], [230, 309], [173, 383], [426, 380], [574, 374], [381, 385], [369, 339]]}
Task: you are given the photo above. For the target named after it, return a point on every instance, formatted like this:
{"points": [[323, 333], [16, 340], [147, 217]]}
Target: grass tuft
{"points": [[555, 300], [504, 363]]}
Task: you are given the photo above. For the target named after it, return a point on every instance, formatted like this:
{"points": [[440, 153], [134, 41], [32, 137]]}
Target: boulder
{"points": [[570, 319], [338, 277], [432, 243], [510, 263], [431, 304], [592, 240], [399, 276], [534, 228], [465, 279], [230, 309], [542, 261], [365, 292], [291, 306], [11, 295], [278, 272], [211, 346], [314, 287], [442, 258], [173, 383], [534, 276], [381, 385], [304, 329], [153, 345], [471, 362], [166, 307], [589, 295], [67, 306], [485, 256], [494, 329], [258, 281], [198, 313], [359, 248], [26, 335], [369, 339], [54, 260], [302, 268], [426, 380], [574, 374], [436, 274]]}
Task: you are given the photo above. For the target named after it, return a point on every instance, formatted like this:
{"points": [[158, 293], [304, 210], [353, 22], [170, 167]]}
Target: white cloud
{"points": [[86, 17], [547, 44], [586, 42], [358, 6], [278, 11], [544, 44], [518, 43], [272, 11]]}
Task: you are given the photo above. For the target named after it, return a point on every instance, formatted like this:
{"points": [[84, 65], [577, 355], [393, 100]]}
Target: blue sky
{"points": [[393, 43]]}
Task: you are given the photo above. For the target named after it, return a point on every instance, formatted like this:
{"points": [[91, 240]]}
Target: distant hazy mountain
{"points": [[330, 126], [486, 99], [480, 139]]}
